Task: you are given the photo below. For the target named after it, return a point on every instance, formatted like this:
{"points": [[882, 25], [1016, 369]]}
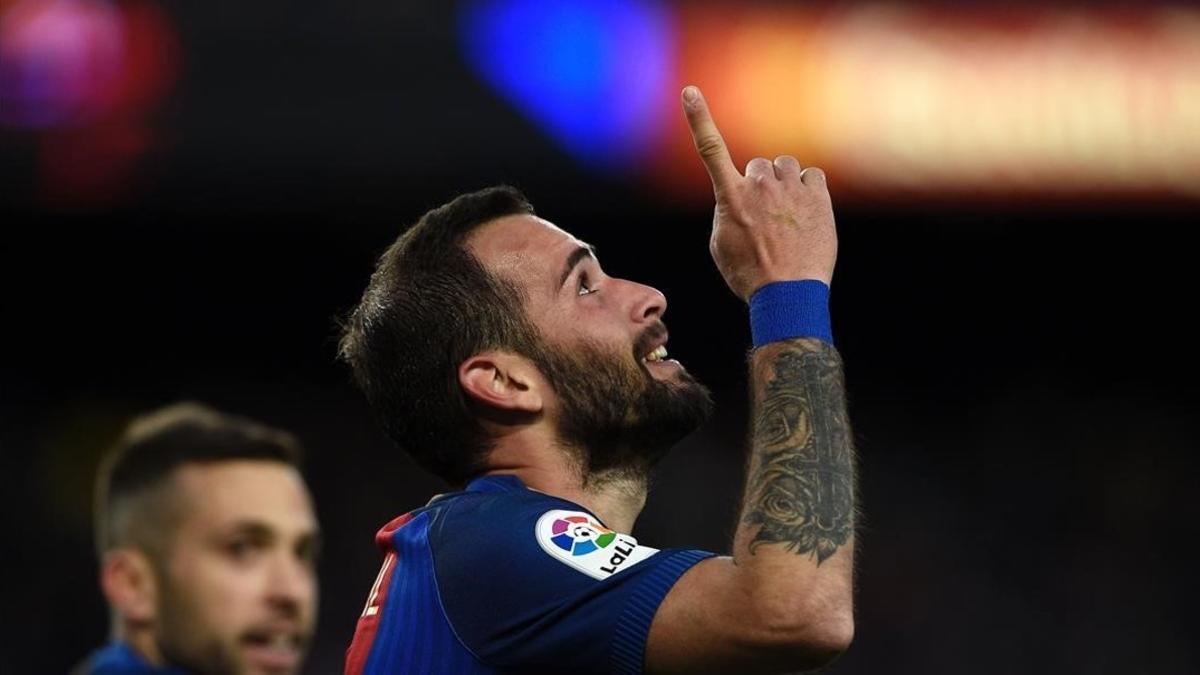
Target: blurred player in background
{"points": [[207, 542], [496, 351]]}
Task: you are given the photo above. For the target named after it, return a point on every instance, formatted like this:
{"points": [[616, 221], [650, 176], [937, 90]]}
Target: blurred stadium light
{"points": [[85, 75], [893, 99], [591, 72], [60, 62]]}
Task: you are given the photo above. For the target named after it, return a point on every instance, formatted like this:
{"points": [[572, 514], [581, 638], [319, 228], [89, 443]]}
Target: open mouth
{"points": [[650, 350], [657, 354], [274, 651], [651, 345]]}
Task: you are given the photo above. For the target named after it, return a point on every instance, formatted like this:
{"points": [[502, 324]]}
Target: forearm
{"points": [[795, 536]]}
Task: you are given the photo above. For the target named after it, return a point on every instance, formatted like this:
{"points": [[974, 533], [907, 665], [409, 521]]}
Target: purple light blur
{"points": [[60, 62]]}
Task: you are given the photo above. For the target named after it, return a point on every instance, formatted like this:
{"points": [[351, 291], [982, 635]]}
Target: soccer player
{"points": [[207, 543], [497, 352]]}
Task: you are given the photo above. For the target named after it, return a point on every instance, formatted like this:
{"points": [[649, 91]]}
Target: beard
{"points": [[195, 640], [184, 640], [614, 414]]}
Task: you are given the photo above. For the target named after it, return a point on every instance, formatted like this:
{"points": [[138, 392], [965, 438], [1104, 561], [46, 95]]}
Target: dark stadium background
{"points": [[1022, 372]]}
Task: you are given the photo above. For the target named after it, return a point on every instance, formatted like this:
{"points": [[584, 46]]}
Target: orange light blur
{"points": [[897, 100]]}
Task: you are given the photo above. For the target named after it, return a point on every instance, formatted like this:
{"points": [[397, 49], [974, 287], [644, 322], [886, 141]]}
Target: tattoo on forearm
{"points": [[801, 490]]}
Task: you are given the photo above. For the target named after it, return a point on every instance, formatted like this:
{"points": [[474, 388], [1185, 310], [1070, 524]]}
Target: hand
{"points": [[775, 223]]}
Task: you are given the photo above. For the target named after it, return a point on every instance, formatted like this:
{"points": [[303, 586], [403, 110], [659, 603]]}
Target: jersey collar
{"points": [[496, 483]]}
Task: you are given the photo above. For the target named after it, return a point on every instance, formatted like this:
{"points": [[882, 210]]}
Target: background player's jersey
{"points": [[501, 577], [118, 658]]}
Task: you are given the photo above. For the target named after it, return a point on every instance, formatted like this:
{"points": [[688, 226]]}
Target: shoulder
{"points": [[527, 579], [118, 658], [517, 532], [495, 527]]}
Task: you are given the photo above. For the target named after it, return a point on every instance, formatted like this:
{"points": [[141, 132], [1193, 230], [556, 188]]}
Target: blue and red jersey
{"points": [[499, 577]]}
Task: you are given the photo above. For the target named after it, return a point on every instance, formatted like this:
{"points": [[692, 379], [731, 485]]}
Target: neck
{"points": [[141, 640], [616, 497]]}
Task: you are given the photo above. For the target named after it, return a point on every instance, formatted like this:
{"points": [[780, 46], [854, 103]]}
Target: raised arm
{"points": [[784, 601]]}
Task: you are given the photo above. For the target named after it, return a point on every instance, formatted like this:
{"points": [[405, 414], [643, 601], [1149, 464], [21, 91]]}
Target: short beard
{"points": [[618, 419], [182, 639]]}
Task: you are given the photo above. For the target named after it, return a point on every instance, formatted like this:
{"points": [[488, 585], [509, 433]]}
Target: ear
{"points": [[129, 584], [502, 380]]}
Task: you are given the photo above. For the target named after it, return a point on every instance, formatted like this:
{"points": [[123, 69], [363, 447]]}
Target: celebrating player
{"points": [[496, 351]]}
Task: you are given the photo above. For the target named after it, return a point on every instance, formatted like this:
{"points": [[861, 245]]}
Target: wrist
{"points": [[784, 310]]}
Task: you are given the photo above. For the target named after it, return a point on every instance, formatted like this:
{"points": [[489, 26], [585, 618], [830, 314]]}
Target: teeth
{"points": [[658, 354], [281, 641]]}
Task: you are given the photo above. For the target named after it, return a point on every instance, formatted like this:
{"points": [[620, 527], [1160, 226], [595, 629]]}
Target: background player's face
{"points": [[238, 587], [620, 407]]}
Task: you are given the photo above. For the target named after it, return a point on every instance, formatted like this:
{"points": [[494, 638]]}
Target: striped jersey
{"points": [[502, 578]]}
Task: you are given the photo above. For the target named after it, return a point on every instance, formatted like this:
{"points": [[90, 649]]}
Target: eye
{"points": [[238, 549], [242, 550], [585, 286], [308, 551]]}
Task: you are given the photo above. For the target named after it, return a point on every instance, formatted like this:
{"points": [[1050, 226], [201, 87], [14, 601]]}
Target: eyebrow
{"points": [[262, 530], [253, 528], [577, 256]]}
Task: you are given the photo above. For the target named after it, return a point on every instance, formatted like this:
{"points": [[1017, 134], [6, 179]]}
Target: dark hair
{"points": [[154, 445], [429, 306]]}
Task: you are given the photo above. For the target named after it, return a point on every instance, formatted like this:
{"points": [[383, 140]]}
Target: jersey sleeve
{"points": [[539, 584]]}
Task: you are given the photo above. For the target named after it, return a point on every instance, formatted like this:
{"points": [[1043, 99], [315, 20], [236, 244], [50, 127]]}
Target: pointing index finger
{"points": [[709, 142]]}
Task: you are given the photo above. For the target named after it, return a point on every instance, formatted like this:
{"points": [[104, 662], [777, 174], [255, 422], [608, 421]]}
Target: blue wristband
{"points": [[790, 309]]}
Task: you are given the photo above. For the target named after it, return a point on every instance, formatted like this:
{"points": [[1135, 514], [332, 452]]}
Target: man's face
{"points": [[620, 400], [238, 586]]}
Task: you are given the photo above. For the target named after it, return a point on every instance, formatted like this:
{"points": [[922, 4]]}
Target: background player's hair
{"points": [[133, 492], [429, 306]]}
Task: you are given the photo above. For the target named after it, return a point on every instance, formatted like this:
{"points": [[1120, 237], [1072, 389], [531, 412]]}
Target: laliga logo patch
{"points": [[580, 541]]}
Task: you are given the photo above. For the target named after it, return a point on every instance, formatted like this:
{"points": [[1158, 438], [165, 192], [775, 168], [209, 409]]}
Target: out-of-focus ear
{"points": [[502, 381], [128, 581]]}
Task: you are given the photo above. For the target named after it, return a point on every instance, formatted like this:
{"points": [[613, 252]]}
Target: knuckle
{"points": [[757, 168], [813, 174], [709, 146]]}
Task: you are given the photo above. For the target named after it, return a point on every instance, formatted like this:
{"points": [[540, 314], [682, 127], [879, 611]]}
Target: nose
{"points": [[291, 585], [649, 304]]}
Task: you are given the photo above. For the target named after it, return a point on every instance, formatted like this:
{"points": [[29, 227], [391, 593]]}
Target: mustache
{"points": [[656, 332]]}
